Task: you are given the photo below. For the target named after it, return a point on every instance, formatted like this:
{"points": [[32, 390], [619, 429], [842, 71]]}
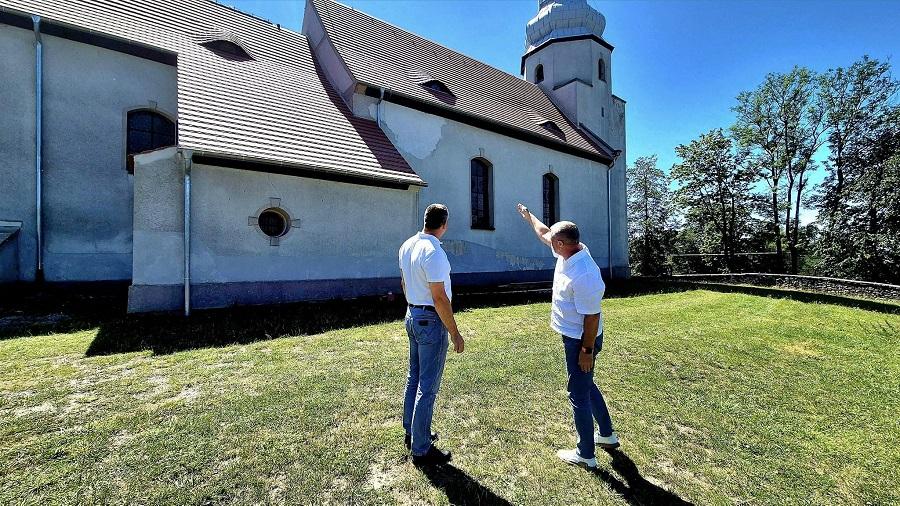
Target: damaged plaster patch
{"points": [[411, 131]]}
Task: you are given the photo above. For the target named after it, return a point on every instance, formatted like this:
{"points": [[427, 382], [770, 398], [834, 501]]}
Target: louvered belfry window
{"points": [[551, 199], [481, 194]]}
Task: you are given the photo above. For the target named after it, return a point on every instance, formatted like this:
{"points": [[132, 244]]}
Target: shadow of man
{"points": [[636, 489], [461, 489]]}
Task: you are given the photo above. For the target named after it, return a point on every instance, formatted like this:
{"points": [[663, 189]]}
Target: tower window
{"points": [[538, 74], [147, 130], [481, 194], [601, 70], [551, 199]]}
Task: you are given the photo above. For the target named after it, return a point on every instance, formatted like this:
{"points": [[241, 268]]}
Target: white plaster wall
{"points": [[518, 168], [87, 190], [564, 61], [17, 142], [345, 230], [87, 193], [158, 243]]}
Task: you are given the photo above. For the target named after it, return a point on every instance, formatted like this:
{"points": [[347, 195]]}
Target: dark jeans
{"points": [[587, 401], [427, 353]]}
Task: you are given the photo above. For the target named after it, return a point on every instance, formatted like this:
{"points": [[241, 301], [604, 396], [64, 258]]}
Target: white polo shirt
{"points": [[577, 291], [423, 261]]}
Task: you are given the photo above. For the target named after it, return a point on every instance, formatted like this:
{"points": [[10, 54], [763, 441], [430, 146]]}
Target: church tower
{"points": [[566, 56]]}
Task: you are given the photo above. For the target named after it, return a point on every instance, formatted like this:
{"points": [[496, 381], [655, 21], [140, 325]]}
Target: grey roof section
{"points": [[380, 54], [276, 107]]}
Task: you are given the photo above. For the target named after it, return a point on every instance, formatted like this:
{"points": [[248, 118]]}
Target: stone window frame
{"points": [[274, 203]]}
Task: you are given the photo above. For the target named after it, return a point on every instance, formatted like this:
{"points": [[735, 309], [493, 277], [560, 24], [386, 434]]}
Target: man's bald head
{"points": [[565, 231]]}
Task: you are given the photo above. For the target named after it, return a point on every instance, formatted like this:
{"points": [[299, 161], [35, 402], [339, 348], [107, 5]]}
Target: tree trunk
{"points": [[776, 228]]}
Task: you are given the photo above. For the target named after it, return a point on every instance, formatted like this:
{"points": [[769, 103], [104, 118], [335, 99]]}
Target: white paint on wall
{"points": [[413, 132]]}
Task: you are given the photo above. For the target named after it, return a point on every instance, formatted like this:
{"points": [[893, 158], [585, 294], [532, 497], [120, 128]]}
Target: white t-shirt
{"points": [[577, 291], [423, 261]]}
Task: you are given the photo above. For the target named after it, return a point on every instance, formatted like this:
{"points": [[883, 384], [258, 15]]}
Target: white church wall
{"points": [[440, 151], [17, 181], [343, 243], [87, 192]]}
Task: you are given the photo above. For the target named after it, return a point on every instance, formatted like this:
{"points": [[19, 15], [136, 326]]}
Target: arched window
{"points": [[482, 197], [538, 74], [147, 130], [601, 70], [551, 199]]}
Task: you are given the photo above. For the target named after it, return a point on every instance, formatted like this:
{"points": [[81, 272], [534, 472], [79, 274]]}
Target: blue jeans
{"points": [[587, 401], [427, 353]]}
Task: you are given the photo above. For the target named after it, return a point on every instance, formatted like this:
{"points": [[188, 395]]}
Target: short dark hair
{"points": [[565, 231], [435, 216]]}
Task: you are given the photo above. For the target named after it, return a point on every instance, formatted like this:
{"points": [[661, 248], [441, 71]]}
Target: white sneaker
{"points": [[572, 457], [609, 442]]}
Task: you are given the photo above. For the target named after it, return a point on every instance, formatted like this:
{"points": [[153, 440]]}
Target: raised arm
{"points": [[540, 230]]}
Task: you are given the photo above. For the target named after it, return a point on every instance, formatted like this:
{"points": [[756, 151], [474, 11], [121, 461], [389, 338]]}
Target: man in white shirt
{"points": [[425, 274], [575, 314]]}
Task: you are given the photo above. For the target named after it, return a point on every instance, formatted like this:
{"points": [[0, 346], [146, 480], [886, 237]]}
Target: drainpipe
{"points": [[616, 154], [378, 106], [38, 142], [185, 159]]}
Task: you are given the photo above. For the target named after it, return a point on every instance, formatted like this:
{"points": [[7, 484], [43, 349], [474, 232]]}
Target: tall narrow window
{"points": [[481, 194], [147, 130], [601, 70], [538, 73], [551, 199]]}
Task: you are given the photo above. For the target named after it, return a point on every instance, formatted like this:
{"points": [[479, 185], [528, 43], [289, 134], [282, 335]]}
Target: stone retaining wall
{"points": [[834, 286]]}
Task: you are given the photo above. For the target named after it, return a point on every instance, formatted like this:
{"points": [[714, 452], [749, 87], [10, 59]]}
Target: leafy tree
{"points": [[867, 243], [782, 124], [714, 193], [859, 102], [651, 216]]}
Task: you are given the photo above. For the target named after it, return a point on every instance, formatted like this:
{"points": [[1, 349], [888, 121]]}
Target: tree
{"points": [[858, 102], [782, 124], [650, 216], [714, 192], [868, 240]]}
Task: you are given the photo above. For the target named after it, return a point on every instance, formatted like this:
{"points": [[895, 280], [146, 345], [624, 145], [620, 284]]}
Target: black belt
{"points": [[426, 308]]}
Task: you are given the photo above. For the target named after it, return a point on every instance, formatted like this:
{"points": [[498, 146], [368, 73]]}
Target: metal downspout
{"points": [[378, 106], [38, 143], [616, 154], [185, 157]]}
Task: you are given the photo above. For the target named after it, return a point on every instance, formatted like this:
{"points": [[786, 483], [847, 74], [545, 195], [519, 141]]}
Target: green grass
{"points": [[719, 399]]}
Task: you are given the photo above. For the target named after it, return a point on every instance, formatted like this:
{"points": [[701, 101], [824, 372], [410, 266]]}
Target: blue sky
{"points": [[678, 64]]}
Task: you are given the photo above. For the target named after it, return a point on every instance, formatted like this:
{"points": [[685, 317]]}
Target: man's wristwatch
{"points": [[585, 349]]}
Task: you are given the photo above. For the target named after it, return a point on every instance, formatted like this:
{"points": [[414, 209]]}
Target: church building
{"points": [[212, 158]]}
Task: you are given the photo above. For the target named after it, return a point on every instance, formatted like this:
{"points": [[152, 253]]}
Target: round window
{"points": [[274, 222]]}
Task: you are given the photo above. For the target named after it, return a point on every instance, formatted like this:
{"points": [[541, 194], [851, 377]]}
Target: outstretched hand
{"points": [[526, 214]]}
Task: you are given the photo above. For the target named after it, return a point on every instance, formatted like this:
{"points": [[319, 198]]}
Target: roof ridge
{"points": [[251, 15], [392, 25]]}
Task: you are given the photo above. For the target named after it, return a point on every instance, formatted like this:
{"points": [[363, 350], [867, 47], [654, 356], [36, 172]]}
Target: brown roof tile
{"points": [[379, 54]]}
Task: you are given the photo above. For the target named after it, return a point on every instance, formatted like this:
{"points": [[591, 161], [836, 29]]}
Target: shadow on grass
{"points": [[32, 309], [461, 489], [635, 489]]}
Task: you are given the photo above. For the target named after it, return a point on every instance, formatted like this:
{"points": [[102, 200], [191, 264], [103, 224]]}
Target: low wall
{"points": [[834, 286]]}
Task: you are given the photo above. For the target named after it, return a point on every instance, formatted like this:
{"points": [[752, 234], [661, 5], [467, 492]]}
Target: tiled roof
{"points": [[379, 54], [274, 108]]}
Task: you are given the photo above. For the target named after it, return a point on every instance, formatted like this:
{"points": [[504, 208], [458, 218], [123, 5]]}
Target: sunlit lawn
{"points": [[719, 398]]}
